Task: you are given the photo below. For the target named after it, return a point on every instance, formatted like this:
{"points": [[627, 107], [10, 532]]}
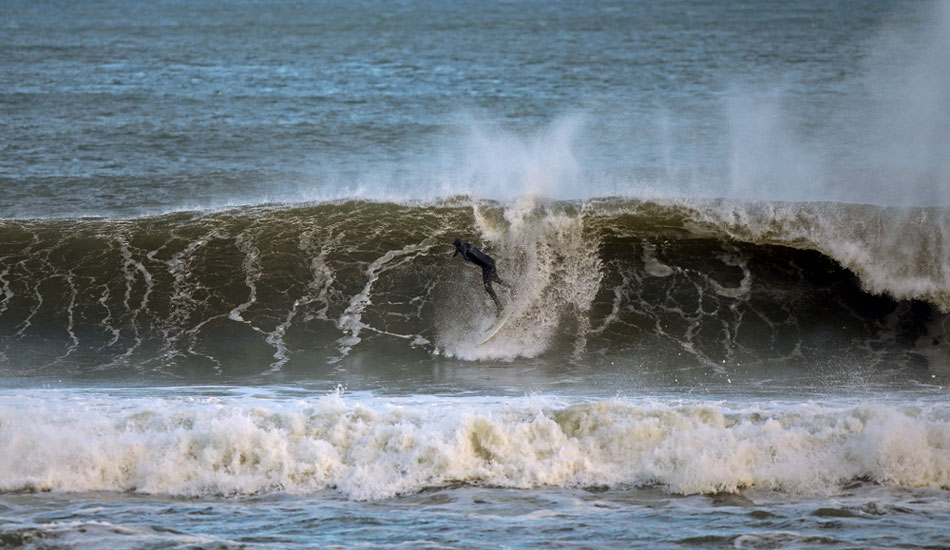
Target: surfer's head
{"points": [[457, 243]]}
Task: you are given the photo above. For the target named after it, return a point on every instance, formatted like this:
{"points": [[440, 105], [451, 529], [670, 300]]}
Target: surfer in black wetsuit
{"points": [[484, 261]]}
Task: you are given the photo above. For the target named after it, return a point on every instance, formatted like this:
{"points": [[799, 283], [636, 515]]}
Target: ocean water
{"points": [[230, 316]]}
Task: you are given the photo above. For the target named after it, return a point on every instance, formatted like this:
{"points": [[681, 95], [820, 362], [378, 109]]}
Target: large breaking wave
{"points": [[266, 289]]}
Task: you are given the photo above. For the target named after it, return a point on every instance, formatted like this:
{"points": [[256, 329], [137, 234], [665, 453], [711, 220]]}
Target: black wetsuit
{"points": [[484, 261]]}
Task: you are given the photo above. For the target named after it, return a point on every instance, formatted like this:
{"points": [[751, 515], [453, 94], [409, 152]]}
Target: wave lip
{"points": [[901, 252], [372, 451]]}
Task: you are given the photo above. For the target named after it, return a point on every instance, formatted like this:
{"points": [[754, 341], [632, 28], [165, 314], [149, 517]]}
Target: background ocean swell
{"points": [[108, 111], [714, 284]]}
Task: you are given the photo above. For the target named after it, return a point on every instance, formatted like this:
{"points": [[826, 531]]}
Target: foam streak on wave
{"points": [[351, 322]]}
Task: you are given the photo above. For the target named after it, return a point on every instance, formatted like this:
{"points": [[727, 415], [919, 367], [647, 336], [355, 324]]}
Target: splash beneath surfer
{"points": [[484, 261]]}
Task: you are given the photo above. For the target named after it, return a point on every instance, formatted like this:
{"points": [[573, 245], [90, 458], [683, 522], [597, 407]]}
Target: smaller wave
{"points": [[370, 449], [99, 534]]}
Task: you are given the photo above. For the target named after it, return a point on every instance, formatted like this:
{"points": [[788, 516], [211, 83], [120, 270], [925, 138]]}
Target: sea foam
{"points": [[374, 448]]}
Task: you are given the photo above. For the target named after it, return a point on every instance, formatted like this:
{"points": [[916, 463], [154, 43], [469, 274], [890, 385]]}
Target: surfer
{"points": [[484, 261]]}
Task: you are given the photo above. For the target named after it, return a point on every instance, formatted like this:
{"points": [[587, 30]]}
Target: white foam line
{"points": [[320, 271], [252, 274], [106, 321], [692, 320], [740, 292], [351, 320], [653, 266], [181, 299], [26, 323], [319, 285], [68, 278], [191, 343], [129, 267], [614, 315], [70, 315], [28, 253], [7, 292]]}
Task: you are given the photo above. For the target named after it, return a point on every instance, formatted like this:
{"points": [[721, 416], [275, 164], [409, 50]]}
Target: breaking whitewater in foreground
{"points": [[370, 448]]}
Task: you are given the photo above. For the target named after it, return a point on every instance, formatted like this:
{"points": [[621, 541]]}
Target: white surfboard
{"points": [[497, 326]]}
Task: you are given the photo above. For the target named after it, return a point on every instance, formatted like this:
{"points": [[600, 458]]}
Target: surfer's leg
{"points": [[496, 279], [487, 279], [494, 297]]}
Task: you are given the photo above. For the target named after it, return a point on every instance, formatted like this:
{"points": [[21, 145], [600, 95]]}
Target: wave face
{"points": [[253, 290]]}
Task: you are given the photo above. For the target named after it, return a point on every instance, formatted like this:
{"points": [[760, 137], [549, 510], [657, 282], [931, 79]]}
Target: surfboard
{"points": [[502, 319]]}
